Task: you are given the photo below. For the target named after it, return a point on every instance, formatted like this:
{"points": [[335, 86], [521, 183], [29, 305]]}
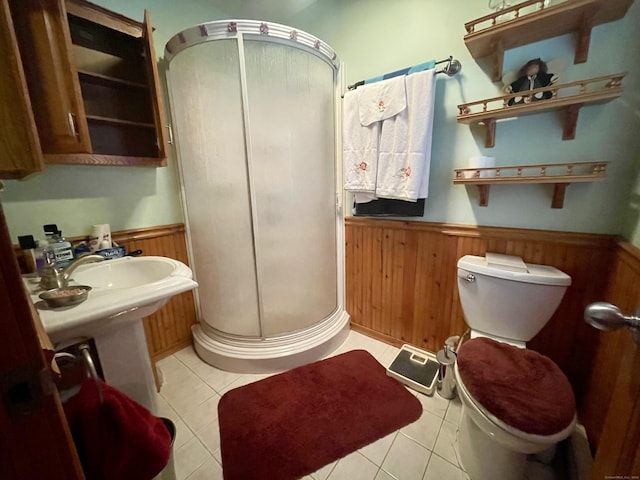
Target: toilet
{"points": [[515, 401]]}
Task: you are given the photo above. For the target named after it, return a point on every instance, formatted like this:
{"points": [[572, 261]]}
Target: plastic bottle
{"points": [[62, 249]]}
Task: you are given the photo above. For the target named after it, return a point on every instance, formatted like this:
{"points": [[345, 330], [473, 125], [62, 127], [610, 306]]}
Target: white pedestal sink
{"points": [[124, 291]]}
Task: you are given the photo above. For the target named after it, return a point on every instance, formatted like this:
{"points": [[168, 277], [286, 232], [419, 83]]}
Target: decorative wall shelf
{"points": [[575, 95], [531, 21], [558, 174]]}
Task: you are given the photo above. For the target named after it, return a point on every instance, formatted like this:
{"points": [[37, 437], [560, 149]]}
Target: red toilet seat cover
{"points": [[523, 388]]}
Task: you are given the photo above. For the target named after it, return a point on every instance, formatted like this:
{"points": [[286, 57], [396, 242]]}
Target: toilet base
{"points": [[484, 459]]}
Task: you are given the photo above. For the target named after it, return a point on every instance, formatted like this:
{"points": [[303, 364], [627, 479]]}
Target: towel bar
{"points": [[451, 68], [88, 363]]}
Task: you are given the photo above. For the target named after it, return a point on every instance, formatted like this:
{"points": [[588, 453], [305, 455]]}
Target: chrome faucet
{"points": [[55, 277]]}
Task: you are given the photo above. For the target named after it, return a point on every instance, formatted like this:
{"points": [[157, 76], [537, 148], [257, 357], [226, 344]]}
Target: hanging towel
{"points": [[360, 148], [118, 439], [382, 100], [405, 143]]}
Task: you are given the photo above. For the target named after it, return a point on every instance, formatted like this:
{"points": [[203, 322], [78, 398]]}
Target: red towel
{"points": [[118, 439]]}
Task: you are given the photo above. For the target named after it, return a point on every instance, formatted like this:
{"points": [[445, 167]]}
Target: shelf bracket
{"points": [[484, 195], [558, 195], [570, 121], [497, 58], [489, 132], [584, 37]]}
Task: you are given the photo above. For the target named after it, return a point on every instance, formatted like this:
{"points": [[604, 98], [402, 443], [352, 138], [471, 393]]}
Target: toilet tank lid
{"points": [[539, 274]]}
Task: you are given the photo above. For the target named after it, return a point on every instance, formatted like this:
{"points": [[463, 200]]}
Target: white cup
{"points": [[100, 237]]}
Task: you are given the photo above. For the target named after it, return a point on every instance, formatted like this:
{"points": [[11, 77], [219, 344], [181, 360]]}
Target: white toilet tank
{"points": [[504, 297]]}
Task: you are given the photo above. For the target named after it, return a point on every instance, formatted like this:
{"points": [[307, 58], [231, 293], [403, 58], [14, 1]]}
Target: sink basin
{"points": [[124, 274], [123, 290]]}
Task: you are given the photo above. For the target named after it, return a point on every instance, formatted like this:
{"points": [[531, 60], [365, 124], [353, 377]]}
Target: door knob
{"points": [[605, 316]]}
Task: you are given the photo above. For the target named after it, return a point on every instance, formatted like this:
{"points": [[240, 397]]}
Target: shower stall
{"points": [[255, 123]]}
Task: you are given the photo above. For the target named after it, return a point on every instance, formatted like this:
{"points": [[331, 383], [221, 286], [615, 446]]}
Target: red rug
{"points": [[292, 424]]}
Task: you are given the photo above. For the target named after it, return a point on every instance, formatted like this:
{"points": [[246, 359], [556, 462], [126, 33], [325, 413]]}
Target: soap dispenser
{"points": [[446, 376]]}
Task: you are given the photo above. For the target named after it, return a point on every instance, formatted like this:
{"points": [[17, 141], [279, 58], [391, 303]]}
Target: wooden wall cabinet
{"points": [[20, 153], [93, 83]]}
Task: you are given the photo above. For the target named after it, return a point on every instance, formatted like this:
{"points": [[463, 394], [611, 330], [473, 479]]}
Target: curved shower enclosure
{"points": [[254, 118]]}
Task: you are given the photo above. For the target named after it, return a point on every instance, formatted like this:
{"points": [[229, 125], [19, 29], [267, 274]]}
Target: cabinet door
{"points": [[154, 86], [45, 45], [20, 152]]}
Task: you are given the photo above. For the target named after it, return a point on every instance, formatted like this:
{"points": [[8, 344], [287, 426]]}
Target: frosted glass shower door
{"points": [[208, 117], [291, 118]]}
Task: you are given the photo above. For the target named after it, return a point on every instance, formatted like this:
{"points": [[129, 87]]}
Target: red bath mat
{"points": [[292, 424]]}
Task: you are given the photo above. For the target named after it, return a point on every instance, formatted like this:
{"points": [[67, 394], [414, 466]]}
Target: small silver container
{"points": [[66, 296]]}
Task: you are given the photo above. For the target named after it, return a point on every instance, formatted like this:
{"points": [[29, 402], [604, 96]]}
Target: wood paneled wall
{"points": [[169, 329], [401, 283], [623, 290]]}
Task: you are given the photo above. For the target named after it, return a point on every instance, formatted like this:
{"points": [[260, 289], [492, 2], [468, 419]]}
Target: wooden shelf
{"points": [[574, 96], [530, 22], [561, 175], [109, 80], [118, 121]]}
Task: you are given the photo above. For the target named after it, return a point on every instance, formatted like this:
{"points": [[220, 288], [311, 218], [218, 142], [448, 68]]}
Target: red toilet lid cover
{"points": [[523, 388]]}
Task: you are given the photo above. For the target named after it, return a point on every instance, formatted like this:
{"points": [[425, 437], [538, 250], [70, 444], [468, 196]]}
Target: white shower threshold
{"points": [[271, 355]]}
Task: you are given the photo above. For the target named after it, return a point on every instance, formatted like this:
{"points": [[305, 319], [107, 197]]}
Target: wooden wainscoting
{"points": [[169, 329], [611, 394], [401, 283], [401, 288]]}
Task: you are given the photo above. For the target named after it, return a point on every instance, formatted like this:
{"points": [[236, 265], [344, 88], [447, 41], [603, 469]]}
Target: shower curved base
{"points": [[274, 354]]}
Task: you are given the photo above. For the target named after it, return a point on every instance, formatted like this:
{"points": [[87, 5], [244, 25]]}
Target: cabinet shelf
{"points": [[119, 121], [108, 80], [574, 96], [531, 21], [561, 175]]}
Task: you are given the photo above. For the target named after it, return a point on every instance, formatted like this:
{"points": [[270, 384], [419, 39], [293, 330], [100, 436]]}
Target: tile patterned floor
{"points": [[189, 396]]}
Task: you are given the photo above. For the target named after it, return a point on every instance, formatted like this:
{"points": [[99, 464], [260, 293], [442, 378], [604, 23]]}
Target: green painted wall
{"points": [[374, 37]]}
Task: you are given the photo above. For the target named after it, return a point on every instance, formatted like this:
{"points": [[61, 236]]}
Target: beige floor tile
{"points": [[215, 378], [453, 411], [189, 457], [377, 450], [354, 467], [406, 459], [324, 472], [185, 395], [424, 430], [433, 403], [440, 469], [188, 356], [163, 409], [209, 470], [206, 412], [209, 435], [388, 356], [446, 443], [242, 380], [183, 434], [382, 475]]}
